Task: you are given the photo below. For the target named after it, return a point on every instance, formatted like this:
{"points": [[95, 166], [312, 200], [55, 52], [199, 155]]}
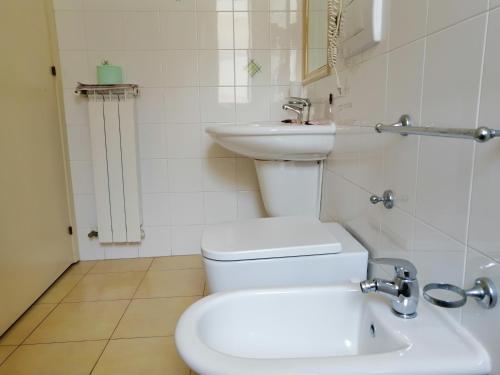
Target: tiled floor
{"points": [[106, 317]]}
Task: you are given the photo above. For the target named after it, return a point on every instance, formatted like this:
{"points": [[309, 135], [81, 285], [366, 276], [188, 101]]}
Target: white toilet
{"points": [[280, 251]]}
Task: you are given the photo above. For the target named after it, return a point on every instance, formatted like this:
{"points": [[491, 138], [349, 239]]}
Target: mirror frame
{"points": [[321, 72]]}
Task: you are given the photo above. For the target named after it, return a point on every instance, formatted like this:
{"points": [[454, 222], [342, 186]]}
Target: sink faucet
{"points": [[298, 105], [403, 289]]}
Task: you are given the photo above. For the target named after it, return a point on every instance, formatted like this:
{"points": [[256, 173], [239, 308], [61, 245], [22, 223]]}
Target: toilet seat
{"points": [[275, 237]]}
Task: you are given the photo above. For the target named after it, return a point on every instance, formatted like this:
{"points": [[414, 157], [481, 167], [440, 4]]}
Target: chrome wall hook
{"points": [[387, 199]]}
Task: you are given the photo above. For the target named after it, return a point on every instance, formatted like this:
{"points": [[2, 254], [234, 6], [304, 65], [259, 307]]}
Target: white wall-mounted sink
{"points": [[276, 141], [321, 330]]}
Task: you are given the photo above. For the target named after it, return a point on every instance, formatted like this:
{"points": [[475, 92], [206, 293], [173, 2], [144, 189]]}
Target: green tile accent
{"points": [[253, 68]]}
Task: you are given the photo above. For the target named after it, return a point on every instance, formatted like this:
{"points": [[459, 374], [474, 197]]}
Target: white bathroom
{"points": [[250, 187]]}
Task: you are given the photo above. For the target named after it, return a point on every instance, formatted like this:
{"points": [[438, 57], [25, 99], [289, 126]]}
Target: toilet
{"points": [[280, 251]]}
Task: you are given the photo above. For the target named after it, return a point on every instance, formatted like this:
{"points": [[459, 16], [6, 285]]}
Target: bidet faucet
{"points": [[403, 289]]}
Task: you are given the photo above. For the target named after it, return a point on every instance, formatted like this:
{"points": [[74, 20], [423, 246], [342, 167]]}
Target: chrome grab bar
{"points": [[404, 127]]}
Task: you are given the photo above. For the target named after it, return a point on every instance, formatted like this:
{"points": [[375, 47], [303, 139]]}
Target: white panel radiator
{"points": [[116, 174]]}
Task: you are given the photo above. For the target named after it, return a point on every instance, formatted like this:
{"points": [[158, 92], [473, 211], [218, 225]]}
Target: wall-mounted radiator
{"points": [[113, 138]]}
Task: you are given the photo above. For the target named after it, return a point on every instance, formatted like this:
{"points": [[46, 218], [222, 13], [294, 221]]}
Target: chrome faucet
{"points": [[403, 289], [298, 105]]}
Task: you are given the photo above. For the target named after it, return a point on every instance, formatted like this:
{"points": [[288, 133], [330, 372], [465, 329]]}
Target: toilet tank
{"points": [[290, 188]]}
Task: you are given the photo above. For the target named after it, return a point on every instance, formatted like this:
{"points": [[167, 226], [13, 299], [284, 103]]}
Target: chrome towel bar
{"points": [[404, 127], [122, 88]]}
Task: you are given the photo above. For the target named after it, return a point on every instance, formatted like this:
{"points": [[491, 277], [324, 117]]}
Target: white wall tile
{"points": [[450, 96], [104, 31], [183, 141], [217, 104], [170, 25], [70, 30], [187, 208], [220, 207], [485, 211], [251, 5], [291, 5], [242, 71], [120, 251], [81, 177], [445, 168], [157, 242], [75, 108], [250, 205], [181, 68], [79, 143], [484, 324], [182, 105], [494, 3], [88, 249], [444, 13], [214, 5], [85, 211], [142, 31], [251, 30], [150, 106], [152, 141], [216, 67], [154, 175], [157, 209], [215, 30], [285, 66], [219, 174], [285, 30], [431, 249], [252, 104], [246, 175], [184, 5], [74, 68], [186, 239], [144, 68], [404, 89], [408, 21], [185, 175]]}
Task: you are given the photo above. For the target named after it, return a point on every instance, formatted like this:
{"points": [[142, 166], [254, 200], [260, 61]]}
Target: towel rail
{"points": [[122, 88], [404, 127]]}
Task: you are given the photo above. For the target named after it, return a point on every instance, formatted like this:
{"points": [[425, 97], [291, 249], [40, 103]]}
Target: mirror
{"points": [[315, 38]]}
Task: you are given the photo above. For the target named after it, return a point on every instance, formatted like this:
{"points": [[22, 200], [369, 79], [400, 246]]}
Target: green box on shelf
{"points": [[108, 74]]}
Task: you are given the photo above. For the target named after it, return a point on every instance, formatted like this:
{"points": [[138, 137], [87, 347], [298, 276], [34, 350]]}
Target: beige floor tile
{"points": [[173, 283], [26, 324], [105, 286], [75, 358], [81, 267], [177, 262], [122, 265], [60, 288], [151, 356], [79, 321], [5, 351], [152, 317]]}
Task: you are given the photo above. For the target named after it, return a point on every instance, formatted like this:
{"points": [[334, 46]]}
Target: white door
{"points": [[35, 246]]}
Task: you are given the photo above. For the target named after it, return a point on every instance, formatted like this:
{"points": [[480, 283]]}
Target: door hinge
{"points": [[70, 230], [53, 70]]}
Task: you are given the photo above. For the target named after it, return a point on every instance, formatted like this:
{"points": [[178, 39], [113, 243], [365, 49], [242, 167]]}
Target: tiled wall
{"points": [[440, 63], [191, 60]]}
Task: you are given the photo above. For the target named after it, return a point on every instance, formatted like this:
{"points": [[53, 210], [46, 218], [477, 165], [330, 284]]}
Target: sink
{"points": [[321, 330], [276, 141]]}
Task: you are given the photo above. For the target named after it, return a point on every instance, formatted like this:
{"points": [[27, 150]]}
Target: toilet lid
{"points": [[268, 238]]}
